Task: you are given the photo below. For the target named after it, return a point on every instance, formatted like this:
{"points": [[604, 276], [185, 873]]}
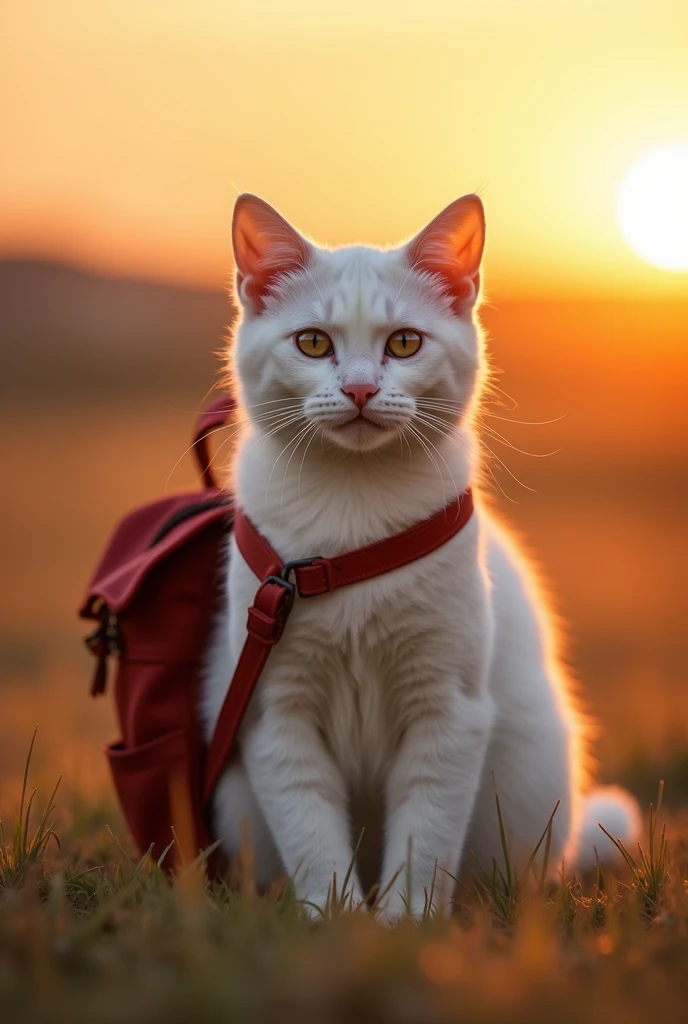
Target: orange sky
{"points": [[128, 127]]}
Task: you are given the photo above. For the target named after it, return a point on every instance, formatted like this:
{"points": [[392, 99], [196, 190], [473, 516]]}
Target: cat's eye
{"points": [[314, 343], [403, 344]]}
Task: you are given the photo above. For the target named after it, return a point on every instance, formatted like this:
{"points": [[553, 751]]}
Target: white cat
{"points": [[400, 702]]}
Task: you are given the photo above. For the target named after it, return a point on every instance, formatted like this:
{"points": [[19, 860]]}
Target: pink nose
{"points": [[360, 393]]}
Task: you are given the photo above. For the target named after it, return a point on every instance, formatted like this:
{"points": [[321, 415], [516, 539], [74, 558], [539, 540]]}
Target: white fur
{"points": [[618, 811], [423, 689]]}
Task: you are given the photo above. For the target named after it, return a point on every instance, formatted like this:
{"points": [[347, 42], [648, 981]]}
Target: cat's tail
{"points": [[619, 812]]}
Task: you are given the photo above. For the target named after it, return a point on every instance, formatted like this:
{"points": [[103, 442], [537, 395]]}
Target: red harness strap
{"points": [[311, 576]]}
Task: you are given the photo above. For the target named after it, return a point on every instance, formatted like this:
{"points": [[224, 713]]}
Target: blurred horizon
{"points": [[66, 324]]}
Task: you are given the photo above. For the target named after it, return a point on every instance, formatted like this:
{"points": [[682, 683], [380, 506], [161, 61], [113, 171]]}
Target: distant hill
{"points": [[614, 370], [67, 330]]}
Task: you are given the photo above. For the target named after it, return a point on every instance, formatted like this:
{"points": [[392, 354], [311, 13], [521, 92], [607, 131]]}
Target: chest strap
{"points": [[309, 577]]}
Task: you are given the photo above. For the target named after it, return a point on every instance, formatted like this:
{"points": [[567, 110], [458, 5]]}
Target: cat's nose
{"points": [[360, 393]]}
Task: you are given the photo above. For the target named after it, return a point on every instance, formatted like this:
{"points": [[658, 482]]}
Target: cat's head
{"points": [[359, 344]]}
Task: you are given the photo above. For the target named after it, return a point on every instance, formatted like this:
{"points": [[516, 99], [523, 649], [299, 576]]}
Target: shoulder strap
{"points": [[311, 576], [214, 418]]}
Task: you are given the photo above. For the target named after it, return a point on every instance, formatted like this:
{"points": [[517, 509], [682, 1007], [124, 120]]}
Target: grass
{"points": [[21, 854], [649, 870], [90, 933], [504, 888]]}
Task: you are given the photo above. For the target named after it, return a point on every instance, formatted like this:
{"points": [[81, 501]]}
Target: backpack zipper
{"points": [[103, 641]]}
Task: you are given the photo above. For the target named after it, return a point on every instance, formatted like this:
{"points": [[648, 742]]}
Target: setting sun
{"points": [[653, 207]]}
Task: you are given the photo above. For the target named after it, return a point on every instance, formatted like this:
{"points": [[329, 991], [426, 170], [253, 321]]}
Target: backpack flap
{"points": [[142, 543]]}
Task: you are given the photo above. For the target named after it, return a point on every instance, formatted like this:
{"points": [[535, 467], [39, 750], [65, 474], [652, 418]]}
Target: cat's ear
{"points": [[265, 246], [451, 246]]}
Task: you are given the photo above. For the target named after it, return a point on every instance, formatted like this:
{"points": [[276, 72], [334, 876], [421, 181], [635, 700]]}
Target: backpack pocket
{"points": [[155, 784]]}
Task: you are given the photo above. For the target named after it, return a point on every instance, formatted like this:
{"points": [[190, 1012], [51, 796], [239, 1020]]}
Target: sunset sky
{"points": [[128, 128]]}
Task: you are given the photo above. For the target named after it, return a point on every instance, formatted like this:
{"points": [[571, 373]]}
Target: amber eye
{"points": [[403, 343], [314, 343]]}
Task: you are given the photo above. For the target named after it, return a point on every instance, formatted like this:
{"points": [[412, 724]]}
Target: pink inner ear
{"points": [[265, 246], [452, 247]]}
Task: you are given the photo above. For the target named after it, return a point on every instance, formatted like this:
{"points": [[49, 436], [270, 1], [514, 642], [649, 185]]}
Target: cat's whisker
{"points": [[296, 440], [301, 436], [492, 453], [439, 402], [451, 475], [216, 430], [504, 466], [270, 413], [454, 409], [495, 435], [238, 426], [214, 457], [452, 437], [427, 447], [401, 446], [284, 402], [488, 467], [198, 440], [446, 429], [237, 407], [316, 427], [274, 429], [403, 439], [524, 423], [267, 419], [424, 417], [489, 386], [448, 416], [272, 470], [423, 414]]}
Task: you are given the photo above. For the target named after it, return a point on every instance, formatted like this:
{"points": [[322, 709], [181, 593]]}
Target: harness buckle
{"points": [[307, 563], [269, 627], [288, 587]]}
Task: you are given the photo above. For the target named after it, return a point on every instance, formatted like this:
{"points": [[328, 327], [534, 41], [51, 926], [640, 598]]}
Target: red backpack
{"points": [[154, 595]]}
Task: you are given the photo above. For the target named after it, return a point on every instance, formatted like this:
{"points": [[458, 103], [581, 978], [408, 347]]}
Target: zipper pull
{"points": [[105, 640]]}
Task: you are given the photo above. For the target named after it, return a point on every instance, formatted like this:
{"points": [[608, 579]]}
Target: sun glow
{"points": [[653, 207], [135, 124]]}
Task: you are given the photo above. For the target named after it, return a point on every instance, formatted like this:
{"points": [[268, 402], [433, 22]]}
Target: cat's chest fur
{"points": [[356, 714], [362, 662]]}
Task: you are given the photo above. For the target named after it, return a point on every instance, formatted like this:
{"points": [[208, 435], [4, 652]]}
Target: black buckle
{"points": [[298, 563], [290, 585]]}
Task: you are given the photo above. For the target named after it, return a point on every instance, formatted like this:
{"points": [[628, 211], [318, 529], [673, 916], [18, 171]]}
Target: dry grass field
{"points": [[87, 933]]}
